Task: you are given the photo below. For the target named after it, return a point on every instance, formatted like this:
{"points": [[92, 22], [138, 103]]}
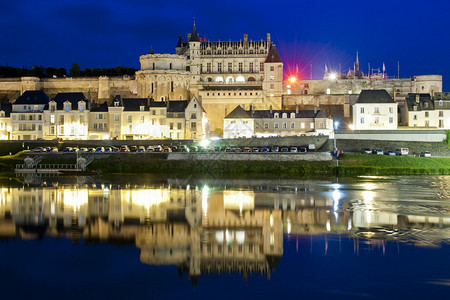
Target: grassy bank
{"points": [[349, 165]]}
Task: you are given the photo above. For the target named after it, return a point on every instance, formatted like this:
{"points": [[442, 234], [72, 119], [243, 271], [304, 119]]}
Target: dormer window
{"points": [[81, 106], [52, 107], [276, 115], [116, 104], [141, 108], [292, 115], [284, 115], [415, 107], [425, 104], [66, 107]]}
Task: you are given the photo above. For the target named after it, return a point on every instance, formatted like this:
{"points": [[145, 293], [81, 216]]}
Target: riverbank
{"points": [[158, 163]]}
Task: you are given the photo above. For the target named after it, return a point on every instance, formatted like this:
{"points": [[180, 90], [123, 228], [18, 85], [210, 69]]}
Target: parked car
{"points": [[228, 149], [133, 148], [141, 149], [284, 149], [366, 151], [294, 150], [390, 152], [54, 149], [91, 150], [99, 150], [149, 149], [183, 148], [274, 149], [403, 151], [425, 154], [247, 149], [83, 150], [302, 149], [114, 149], [108, 149], [38, 150], [124, 148], [255, 149], [377, 151], [265, 149], [166, 149], [67, 149], [174, 149]]}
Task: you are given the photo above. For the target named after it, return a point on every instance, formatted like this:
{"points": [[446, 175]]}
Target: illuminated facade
{"points": [[427, 111], [70, 116], [267, 123], [375, 110]]}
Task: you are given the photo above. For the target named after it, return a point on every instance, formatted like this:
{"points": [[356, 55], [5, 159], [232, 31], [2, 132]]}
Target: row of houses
{"points": [[377, 110], [71, 116], [372, 110]]}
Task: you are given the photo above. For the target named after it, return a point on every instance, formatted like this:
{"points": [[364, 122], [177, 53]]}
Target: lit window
{"points": [[362, 120], [391, 120], [272, 68], [362, 110]]}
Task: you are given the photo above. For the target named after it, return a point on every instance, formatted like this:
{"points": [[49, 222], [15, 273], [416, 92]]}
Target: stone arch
{"points": [[251, 79], [229, 79], [240, 79], [219, 79]]}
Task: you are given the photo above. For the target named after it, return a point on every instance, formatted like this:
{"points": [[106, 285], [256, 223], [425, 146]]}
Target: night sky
{"points": [[103, 34]]}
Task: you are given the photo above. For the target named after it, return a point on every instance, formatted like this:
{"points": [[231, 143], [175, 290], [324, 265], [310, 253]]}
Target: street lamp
{"points": [[336, 126]]}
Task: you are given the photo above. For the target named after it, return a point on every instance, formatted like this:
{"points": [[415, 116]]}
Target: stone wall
{"points": [[251, 156]]}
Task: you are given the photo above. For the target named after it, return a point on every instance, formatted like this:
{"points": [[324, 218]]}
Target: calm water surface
{"points": [[129, 237]]}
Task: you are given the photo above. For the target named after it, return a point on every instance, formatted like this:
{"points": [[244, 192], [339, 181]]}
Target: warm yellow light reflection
{"points": [[239, 200], [75, 198]]}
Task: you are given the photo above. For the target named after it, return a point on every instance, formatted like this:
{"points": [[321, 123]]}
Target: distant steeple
{"points": [[194, 35], [357, 63], [180, 42], [151, 50]]}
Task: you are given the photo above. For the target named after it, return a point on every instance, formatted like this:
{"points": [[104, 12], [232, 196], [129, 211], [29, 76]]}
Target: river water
{"points": [[125, 237]]}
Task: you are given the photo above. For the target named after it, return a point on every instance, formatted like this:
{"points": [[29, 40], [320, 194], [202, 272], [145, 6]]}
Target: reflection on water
{"points": [[227, 226]]}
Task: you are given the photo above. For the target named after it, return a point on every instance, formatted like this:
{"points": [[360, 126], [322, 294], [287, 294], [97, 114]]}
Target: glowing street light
{"points": [[292, 79], [332, 76]]}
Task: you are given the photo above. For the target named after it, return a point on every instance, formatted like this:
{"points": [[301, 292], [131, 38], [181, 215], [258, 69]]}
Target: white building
{"points": [[427, 111], [27, 120], [66, 117], [375, 110], [267, 123]]}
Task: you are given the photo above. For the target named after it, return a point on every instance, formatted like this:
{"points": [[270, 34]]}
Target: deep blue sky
{"points": [[96, 33]]}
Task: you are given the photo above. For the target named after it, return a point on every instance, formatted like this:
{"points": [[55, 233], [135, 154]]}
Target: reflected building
{"points": [[224, 227]]}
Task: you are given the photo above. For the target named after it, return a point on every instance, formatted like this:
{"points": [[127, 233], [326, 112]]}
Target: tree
{"points": [[75, 71]]}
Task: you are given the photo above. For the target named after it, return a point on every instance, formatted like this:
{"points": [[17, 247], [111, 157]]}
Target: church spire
{"points": [[151, 50], [357, 62]]}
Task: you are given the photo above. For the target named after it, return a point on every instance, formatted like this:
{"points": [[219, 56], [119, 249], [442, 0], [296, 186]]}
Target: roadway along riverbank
{"points": [[289, 165]]}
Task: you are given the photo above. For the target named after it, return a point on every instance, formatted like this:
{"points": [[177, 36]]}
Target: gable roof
{"points": [[273, 56], [32, 97], [238, 113], [375, 96], [73, 98]]}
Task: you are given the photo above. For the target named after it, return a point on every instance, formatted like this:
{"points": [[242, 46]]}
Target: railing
{"points": [[49, 166]]}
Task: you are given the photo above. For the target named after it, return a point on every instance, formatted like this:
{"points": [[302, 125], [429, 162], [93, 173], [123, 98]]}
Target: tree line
{"points": [[76, 71]]}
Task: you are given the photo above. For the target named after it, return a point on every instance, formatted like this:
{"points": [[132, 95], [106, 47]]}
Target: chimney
{"points": [[251, 110], [268, 37], [417, 98], [296, 108], [315, 109], [271, 109], [245, 38]]}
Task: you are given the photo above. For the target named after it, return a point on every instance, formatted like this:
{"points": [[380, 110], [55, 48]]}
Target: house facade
{"points": [[375, 110], [427, 111], [267, 123]]}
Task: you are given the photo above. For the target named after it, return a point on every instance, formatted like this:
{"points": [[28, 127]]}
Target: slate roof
{"points": [[6, 107], [425, 102], [305, 114], [273, 56], [73, 98], [100, 108], [238, 113], [374, 96], [32, 97], [134, 104], [194, 35], [442, 96], [177, 106]]}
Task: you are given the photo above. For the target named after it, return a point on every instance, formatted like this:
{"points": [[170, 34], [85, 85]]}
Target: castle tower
{"points": [[273, 78]]}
